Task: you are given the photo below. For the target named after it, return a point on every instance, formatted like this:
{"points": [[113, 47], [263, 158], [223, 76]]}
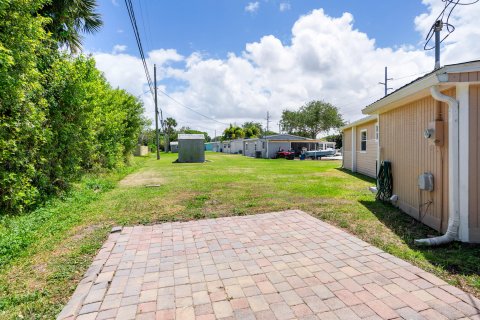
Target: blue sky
{"points": [[217, 27], [234, 60]]}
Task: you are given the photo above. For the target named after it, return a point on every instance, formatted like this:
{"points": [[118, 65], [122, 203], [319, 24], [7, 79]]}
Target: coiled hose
{"points": [[385, 181]]}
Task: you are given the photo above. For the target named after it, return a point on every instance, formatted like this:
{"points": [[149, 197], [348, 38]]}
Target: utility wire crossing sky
{"points": [[222, 62]]}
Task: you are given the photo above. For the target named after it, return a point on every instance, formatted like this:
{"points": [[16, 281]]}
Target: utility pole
{"points": [[438, 28], [156, 110], [268, 121], [386, 82], [279, 128]]}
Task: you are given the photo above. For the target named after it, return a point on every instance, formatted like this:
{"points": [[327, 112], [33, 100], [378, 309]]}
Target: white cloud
{"points": [[284, 6], [118, 48], [326, 58], [162, 56], [252, 7], [462, 44], [115, 2]]}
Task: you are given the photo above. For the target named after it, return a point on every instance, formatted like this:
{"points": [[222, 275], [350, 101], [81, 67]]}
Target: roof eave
{"points": [[359, 122], [414, 88]]}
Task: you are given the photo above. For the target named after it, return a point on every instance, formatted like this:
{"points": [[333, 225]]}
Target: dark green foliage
{"points": [[233, 132], [69, 19], [311, 119], [22, 107], [58, 115], [252, 129], [337, 138]]}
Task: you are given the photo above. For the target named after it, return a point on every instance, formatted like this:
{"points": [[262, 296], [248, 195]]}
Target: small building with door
{"points": [[191, 148], [174, 146]]}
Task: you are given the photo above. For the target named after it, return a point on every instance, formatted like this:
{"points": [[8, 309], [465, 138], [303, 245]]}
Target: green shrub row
{"points": [[59, 117]]}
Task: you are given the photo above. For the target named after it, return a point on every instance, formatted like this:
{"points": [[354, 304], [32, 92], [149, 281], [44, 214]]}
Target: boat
{"points": [[318, 154]]}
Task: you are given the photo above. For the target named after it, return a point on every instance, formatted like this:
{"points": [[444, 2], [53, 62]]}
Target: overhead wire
{"points": [[133, 21], [450, 5]]}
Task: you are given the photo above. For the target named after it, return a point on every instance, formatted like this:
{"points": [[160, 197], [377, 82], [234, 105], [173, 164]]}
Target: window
{"points": [[377, 132], [363, 140]]}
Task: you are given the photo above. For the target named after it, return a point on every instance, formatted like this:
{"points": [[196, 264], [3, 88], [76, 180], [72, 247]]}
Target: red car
{"points": [[289, 155]]}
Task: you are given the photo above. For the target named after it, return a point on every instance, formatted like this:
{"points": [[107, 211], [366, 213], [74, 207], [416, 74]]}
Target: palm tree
{"points": [[71, 18]]}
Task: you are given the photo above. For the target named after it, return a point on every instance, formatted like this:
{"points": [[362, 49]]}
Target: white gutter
{"points": [[354, 149], [453, 172]]}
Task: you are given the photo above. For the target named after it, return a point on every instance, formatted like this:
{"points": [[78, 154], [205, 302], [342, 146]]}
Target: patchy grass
{"points": [[44, 254]]}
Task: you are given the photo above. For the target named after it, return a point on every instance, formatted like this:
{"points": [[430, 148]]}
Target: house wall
{"points": [[367, 160], [474, 161], [274, 147], [347, 149], [402, 142], [464, 76], [236, 146], [251, 146]]}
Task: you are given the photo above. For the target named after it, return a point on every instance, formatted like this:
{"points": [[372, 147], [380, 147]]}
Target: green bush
{"points": [[22, 106], [59, 117]]}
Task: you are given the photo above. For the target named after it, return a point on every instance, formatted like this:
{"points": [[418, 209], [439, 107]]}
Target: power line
{"points": [[449, 6], [189, 108], [133, 21]]}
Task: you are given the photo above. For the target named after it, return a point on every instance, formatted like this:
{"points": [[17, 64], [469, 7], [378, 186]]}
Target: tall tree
{"points": [[252, 129], [233, 132], [311, 119], [70, 19], [170, 125]]}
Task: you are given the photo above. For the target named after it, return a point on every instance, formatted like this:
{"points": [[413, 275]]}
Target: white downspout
{"points": [[453, 172], [354, 149]]}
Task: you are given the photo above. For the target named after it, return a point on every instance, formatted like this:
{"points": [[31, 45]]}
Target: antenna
{"points": [[437, 28], [386, 81]]}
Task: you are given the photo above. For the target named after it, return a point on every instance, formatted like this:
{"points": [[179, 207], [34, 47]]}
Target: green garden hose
{"points": [[385, 181]]}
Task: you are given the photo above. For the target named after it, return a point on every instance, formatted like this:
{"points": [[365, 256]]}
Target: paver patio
{"points": [[284, 265]]}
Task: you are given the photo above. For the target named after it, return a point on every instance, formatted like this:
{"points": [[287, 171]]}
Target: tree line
{"points": [[308, 121], [59, 117]]}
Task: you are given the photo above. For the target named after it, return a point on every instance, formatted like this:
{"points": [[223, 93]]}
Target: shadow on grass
{"points": [[456, 258], [358, 175]]}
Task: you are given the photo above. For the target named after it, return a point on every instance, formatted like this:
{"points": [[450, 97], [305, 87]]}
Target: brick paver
{"points": [[284, 265]]}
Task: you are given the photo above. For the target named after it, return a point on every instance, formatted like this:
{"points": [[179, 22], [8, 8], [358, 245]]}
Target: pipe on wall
{"points": [[454, 214]]}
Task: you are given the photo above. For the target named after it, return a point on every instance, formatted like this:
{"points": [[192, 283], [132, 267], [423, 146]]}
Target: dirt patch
{"points": [[143, 178]]}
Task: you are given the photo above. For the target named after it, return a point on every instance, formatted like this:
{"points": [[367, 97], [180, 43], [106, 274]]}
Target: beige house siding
{"points": [[474, 161], [464, 76], [347, 149], [366, 160], [402, 142]]}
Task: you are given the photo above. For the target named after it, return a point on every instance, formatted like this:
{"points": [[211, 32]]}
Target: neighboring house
{"points": [[432, 126], [232, 146], [174, 146], [270, 145], [213, 146], [360, 146]]}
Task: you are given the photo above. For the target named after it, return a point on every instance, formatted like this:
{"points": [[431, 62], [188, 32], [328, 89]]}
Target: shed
{"points": [[174, 146], [191, 148]]}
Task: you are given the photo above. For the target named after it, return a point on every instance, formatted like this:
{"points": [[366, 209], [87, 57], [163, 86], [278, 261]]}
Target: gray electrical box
{"points": [[425, 181]]}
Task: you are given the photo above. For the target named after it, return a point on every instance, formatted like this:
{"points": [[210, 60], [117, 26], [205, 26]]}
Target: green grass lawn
{"points": [[44, 254]]}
